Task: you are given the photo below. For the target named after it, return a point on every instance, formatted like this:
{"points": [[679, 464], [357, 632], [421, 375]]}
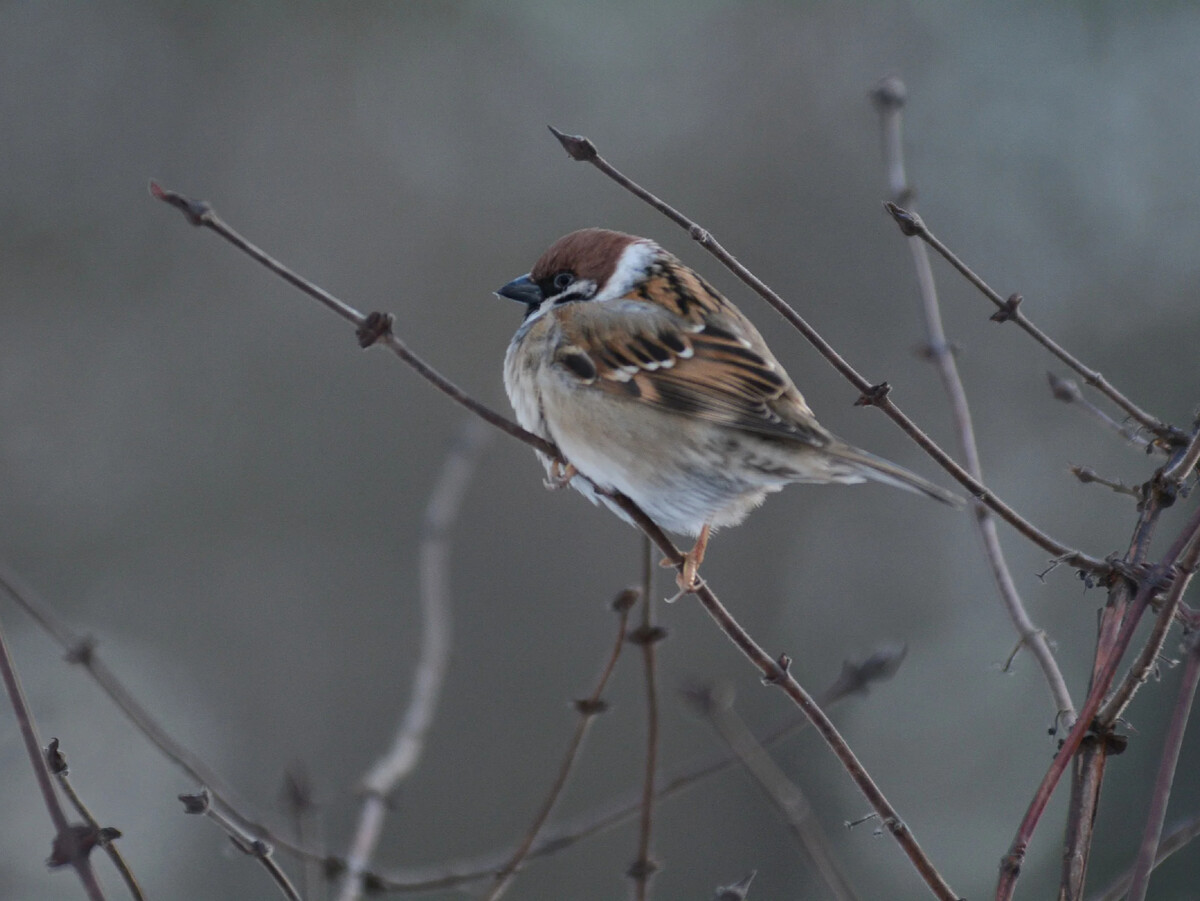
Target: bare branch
{"points": [[56, 761], [1009, 310], [889, 97], [72, 844], [875, 395], [588, 709], [1067, 391], [401, 759], [1149, 587], [1173, 741], [775, 672], [716, 705], [647, 636], [250, 845], [1176, 840]]}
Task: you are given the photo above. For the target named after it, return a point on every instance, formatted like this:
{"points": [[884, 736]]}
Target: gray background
{"points": [[199, 467]]}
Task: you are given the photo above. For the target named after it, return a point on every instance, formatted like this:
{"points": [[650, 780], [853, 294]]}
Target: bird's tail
{"points": [[877, 469]]}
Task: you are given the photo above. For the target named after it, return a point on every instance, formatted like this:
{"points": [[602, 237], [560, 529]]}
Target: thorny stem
{"points": [[378, 328], [588, 709], [1009, 311], [889, 98], [582, 149]]}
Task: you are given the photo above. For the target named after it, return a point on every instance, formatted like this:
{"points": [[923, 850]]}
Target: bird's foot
{"points": [[560, 475]]}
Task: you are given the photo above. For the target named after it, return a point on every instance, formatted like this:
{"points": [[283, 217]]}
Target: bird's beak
{"points": [[523, 289]]}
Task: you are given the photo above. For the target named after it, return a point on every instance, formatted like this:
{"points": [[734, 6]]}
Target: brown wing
{"points": [[688, 351]]}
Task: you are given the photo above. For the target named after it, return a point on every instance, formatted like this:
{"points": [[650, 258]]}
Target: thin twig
{"points": [[1177, 839], [378, 328], [736, 891], [716, 705], [56, 761], [401, 759], [1087, 476], [1010, 311], [297, 798], [81, 650], [71, 844], [373, 328], [250, 845], [1177, 472], [588, 709], [582, 149], [889, 97], [1067, 391], [1172, 742], [648, 636], [856, 677], [1010, 867]]}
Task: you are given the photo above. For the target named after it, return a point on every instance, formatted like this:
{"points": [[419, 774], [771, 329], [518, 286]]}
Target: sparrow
{"points": [[653, 384]]}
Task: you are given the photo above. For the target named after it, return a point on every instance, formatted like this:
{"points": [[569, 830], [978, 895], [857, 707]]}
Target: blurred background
{"points": [[199, 467]]}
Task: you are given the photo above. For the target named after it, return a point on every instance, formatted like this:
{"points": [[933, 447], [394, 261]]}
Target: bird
{"points": [[653, 384]]}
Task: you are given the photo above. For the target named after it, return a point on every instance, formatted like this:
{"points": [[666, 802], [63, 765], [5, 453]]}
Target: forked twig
{"points": [[583, 150], [56, 761], [889, 97], [377, 329], [401, 759], [72, 844]]}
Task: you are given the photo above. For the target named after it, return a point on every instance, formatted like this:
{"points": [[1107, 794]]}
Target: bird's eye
{"points": [[563, 280]]}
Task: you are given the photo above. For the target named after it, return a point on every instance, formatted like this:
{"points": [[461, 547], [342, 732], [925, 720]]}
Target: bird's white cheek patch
{"points": [[631, 268]]}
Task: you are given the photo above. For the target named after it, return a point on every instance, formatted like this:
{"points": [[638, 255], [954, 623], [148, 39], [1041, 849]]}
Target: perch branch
{"points": [[581, 149]]}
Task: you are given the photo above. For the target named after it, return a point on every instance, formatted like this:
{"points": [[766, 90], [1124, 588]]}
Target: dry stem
{"points": [[889, 99]]}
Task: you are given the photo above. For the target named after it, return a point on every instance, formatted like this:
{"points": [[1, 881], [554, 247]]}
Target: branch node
{"points": [[375, 326], [56, 760], [578, 147], [1008, 311], [783, 665], [736, 891], [647, 635], [627, 599], [197, 212], [590, 706], [641, 870], [73, 844], [196, 803], [82, 652], [889, 94], [911, 225], [699, 234], [874, 395]]}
